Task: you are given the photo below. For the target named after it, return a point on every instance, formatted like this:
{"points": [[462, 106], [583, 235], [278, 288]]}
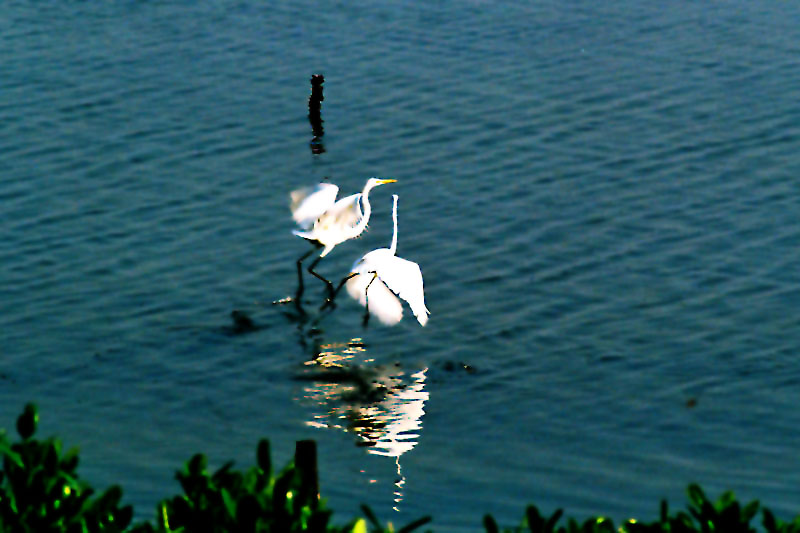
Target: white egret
{"points": [[379, 275], [326, 222]]}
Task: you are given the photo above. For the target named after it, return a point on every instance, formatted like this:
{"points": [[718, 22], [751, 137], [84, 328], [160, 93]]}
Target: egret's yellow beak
{"points": [[386, 181]]}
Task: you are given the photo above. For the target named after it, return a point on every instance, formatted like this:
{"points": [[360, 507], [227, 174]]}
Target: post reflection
{"points": [[382, 405], [314, 114]]}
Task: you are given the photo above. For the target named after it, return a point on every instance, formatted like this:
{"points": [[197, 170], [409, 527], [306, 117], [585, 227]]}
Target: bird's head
{"points": [[380, 181]]}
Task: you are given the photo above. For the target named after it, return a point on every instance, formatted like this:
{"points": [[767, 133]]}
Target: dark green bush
{"points": [[726, 515], [253, 501], [40, 492]]}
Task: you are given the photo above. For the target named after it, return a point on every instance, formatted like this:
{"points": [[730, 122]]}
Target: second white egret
{"points": [[379, 277]]}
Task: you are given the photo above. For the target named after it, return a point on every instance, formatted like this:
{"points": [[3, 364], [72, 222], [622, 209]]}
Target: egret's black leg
{"points": [[366, 299], [329, 301], [320, 277], [300, 287]]}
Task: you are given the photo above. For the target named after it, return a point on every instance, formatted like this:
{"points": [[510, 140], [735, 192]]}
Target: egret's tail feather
{"points": [[421, 312], [304, 234]]}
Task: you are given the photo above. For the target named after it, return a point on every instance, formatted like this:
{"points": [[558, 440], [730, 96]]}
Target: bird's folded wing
{"points": [[383, 304], [344, 213], [404, 278], [310, 203]]}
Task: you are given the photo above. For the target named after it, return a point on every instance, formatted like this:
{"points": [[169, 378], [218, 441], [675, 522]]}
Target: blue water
{"points": [[602, 197]]}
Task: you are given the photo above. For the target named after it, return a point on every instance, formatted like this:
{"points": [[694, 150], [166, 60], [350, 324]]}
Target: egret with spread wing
{"points": [[379, 277], [326, 222]]}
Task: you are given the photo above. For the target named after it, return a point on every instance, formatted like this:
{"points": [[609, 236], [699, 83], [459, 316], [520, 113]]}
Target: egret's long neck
{"points": [[366, 209], [393, 248]]}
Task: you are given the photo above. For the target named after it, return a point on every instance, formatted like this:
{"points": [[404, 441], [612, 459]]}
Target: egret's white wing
{"points": [[372, 261], [382, 302], [310, 203], [404, 278], [345, 213]]}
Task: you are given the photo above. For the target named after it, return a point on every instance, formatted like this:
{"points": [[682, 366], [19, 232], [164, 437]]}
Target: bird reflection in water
{"points": [[382, 405]]}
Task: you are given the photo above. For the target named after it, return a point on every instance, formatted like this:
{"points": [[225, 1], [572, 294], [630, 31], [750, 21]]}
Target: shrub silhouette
{"points": [[40, 492]]}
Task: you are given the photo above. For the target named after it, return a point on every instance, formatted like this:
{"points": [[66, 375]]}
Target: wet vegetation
{"points": [[40, 492]]}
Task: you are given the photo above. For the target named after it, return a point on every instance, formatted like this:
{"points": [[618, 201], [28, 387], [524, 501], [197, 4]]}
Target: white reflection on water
{"points": [[382, 405]]}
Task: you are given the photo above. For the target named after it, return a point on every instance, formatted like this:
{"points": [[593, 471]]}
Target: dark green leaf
{"points": [[696, 495], [490, 525], [123, 517], [305, 461], [263, 457], [535, 520], [27, 421], [769, 521], [196, 466], [551, 522], [108, 501], [69, 461], [749, 511], [415, 524], [9, 454], [369, 515], [280, 490], [726, 499], [230, 504], [248, 512]]}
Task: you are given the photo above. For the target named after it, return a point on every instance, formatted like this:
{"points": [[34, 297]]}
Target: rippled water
{"points": [[603, 199]]}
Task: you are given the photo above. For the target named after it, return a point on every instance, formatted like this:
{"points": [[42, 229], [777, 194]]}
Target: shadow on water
{"points": [[241, 323]]}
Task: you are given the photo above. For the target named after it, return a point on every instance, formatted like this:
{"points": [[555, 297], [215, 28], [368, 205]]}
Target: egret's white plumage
{"points": [[309, 203], [380, 275], [325, 220]]}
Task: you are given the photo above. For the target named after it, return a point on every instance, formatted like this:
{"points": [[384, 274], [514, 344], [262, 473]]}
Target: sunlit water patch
{"points": [[382, 405]]}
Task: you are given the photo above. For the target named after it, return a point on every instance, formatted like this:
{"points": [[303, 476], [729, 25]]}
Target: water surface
{"points": [[602, 198]]}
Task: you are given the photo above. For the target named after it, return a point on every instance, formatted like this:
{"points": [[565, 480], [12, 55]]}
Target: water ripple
{"points": [[602, 198]]}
